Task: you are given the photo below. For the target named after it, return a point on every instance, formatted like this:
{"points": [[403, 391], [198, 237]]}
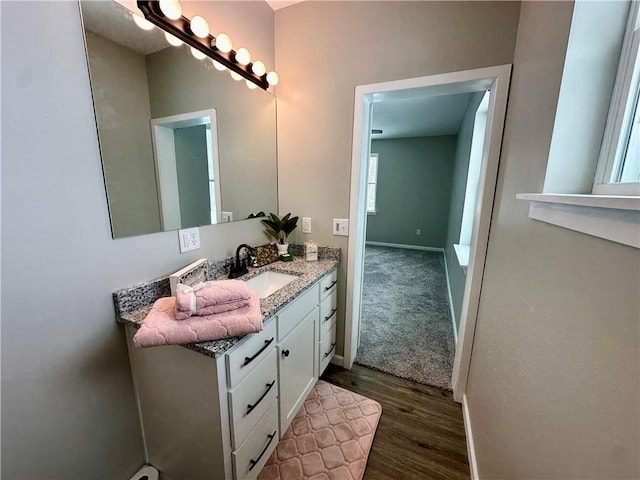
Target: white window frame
{"points": [[612, 210], [373, 159], [624, 103]]}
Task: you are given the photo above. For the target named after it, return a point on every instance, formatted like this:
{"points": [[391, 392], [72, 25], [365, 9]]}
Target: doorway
{"points": [[492, 79]]}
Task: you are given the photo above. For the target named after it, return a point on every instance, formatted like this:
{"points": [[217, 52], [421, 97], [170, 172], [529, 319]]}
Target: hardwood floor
{"points": [[421, 431]]}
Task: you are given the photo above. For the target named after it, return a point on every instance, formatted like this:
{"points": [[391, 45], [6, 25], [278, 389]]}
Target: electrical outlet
{"points": [[306, 224], [341, 226], [189, 239], [418, 231]]}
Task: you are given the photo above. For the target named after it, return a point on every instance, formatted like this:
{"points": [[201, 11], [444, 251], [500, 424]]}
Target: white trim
{"points": [[496, 79], [609, 217], [471, 449], [337, 360], [453, 314], [402, 245], [615, 202], [619, 114], [462, 254]]}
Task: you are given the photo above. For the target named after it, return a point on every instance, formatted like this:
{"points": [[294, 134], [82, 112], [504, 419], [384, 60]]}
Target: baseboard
{"points": [[402, 245], [453, 313], [471, 450], [338, 360]]}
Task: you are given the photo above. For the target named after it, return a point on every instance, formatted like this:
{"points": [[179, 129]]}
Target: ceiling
{"points": [[278, 4], [413, 113]]}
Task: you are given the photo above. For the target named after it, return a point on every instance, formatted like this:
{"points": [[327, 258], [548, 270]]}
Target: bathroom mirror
{"points": [[182, 143]]}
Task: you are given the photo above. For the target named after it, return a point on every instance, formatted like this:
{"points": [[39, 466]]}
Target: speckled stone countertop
{"points": [[133, 304]]}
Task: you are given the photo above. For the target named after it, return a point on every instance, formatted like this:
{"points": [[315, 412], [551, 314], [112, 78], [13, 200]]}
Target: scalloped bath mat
{"points": [[330, 437]]}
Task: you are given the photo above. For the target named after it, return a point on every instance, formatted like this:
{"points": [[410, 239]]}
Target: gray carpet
{"points": [[406, 325]]}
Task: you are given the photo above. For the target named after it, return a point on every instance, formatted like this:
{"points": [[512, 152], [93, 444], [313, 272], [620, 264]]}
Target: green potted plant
{"points": [[280, 228]]}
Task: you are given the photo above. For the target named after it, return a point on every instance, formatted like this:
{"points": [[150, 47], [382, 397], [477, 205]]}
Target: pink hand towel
{"points": [[160, 327], [211, 297]]}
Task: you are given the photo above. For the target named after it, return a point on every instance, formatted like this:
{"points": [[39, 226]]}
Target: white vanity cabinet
{"points": [[327, 323], [221, 418]]}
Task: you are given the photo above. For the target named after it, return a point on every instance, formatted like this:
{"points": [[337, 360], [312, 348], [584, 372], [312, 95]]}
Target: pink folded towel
{"points": [[211, 297], [160, 327]]}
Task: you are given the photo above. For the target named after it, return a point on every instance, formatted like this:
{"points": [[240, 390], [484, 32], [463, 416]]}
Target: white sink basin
{"points": [[269, 282]]}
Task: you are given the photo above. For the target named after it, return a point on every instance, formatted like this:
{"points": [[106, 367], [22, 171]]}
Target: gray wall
{"points": [[315, 111], [414, 188], [67, 400], [119, 79], [457, 277], [193, 175], [554, 382]]}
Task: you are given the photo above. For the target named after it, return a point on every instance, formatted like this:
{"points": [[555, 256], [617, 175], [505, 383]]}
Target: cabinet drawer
{"points": [[252, 397], [249, 459], [327, 348], [296, 311], [328, 282], [244, 357], [328, 309]]}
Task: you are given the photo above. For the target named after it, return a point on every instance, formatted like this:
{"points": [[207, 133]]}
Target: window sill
{"points": [[462, 252], [614, 218]]}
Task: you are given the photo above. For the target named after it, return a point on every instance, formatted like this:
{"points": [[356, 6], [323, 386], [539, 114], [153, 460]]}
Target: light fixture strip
{"points": [[180, 29]]}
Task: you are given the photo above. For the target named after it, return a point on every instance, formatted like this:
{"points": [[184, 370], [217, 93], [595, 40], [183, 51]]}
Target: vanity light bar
{"points": [[181, 28]]}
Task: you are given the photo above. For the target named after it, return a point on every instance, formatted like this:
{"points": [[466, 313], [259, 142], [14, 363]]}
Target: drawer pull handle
{"points": [[333, 345], [285, 353], [330, 286], [333, 312], [252, 462], [251, 407], [248, 360]]}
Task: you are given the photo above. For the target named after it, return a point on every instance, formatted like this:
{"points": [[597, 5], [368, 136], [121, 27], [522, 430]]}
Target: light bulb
{"points": [[223, 43], [171, 9], [143, 23], [198, 54], [219, 66], [199, 26], [236, 76], [251, 85], [258, 68], [273, 78], [243, 57], [173, 40]]}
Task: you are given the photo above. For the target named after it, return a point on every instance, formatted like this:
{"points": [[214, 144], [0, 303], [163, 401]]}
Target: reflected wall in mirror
{"points": [[182, 144]]}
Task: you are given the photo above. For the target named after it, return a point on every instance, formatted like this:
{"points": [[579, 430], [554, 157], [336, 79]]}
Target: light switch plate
{"points": [[189, 239], [306, 224], [227, 217], [341, 226]]}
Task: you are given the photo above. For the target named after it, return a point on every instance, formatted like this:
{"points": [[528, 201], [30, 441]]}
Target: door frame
{"points": [[496, 79]]}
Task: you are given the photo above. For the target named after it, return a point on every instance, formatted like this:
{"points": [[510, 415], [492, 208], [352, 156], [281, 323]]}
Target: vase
{"points": [[283, 248]]}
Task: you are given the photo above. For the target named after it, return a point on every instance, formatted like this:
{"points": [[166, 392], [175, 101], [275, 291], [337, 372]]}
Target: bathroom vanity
{"points": [[217, 409]]}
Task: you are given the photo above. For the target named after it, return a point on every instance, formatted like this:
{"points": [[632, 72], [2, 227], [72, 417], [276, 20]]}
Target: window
{"points": [[619, 165], [372, 183]]}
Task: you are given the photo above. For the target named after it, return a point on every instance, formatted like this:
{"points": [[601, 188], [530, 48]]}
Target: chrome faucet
{"points": [[239, 267]]}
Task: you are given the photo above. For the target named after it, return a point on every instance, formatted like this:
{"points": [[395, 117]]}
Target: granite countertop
{"points": [[309, 273]]}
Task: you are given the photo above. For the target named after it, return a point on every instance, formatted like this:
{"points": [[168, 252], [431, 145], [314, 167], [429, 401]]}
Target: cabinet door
{"points": [[297, 369]]}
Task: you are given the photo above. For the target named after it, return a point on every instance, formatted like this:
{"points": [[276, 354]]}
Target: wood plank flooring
{"points": [[421, 431]]}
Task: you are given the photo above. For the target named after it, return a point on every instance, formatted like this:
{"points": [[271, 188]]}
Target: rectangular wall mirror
{"points": [[182, 143]]}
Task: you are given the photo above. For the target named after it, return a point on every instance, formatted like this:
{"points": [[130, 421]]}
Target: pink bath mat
{"points": [[329, 438]]}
